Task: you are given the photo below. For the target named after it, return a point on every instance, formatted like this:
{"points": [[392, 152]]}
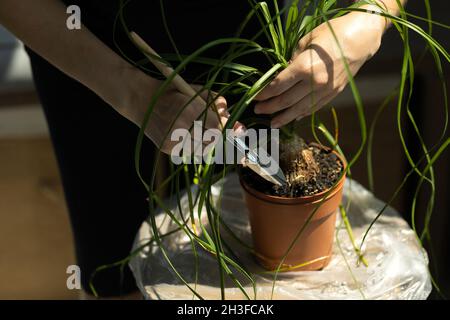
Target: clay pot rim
{"points": [[305, 199]]}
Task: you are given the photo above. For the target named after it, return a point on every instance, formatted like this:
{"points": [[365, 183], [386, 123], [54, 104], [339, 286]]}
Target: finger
{"points": [[282, 82], [322, 103], [284, 100], [301, 109], [222, 115], [210, 108], [305, 66], [214, 120], [316, 78], [217, 114], [314, 66], [213, 100], [303, 44]]}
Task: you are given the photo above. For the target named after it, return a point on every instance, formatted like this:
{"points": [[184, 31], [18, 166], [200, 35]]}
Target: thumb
{"points": [[219, 115], [217, 111], [222, 110], [211, 98]]}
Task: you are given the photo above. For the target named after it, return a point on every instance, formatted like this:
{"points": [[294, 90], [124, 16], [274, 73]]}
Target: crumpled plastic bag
{"points": [[398, 265]]}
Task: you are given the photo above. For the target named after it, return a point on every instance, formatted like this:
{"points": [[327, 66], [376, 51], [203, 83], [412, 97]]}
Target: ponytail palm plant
{"points": [[282, 28]]}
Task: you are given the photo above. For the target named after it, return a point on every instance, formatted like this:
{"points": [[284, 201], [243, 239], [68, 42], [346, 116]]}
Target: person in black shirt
{"points": [[93, 99]]}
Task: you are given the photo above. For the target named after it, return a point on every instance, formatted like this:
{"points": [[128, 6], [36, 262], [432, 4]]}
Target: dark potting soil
{"points": [[328, 170]]}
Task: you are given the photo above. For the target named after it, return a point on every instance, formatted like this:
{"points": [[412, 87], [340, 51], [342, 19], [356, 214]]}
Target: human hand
{"points": [[317, 73]]}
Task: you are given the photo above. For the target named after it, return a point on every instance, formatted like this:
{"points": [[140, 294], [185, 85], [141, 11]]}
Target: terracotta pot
{"points": [[275, 222]]}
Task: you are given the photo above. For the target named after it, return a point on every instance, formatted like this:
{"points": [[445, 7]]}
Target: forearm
{"points": [[41, 25]]}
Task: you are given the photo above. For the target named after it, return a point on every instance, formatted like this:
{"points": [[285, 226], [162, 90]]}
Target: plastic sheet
{"points": [[398, 266]]}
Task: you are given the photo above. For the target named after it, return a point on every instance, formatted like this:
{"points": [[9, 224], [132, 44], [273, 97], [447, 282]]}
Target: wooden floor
{"points": [[35, 237]]}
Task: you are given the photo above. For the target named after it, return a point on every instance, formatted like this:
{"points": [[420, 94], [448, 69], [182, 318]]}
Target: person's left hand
{"points": [[316, 73]]}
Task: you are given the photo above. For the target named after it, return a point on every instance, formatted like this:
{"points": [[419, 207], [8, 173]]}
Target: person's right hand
{"points": [[171, 111]]}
